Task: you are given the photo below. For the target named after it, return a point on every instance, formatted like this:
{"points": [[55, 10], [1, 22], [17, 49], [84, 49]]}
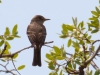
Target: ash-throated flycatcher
{"points": [[36, 32]]}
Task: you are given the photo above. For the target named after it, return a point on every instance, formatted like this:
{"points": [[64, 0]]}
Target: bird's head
{"points": [[39, 18]]}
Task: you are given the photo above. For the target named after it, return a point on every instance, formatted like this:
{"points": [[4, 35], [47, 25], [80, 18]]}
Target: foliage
{"points": [[5, 54], [79, 37]]}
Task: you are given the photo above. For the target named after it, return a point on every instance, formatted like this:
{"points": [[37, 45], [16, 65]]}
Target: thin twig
{"points": [[94, 65], [89, 60], [15, 67], [48, 46]]}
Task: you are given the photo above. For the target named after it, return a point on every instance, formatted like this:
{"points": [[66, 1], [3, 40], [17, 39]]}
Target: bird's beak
{"points": [[47, 19]]}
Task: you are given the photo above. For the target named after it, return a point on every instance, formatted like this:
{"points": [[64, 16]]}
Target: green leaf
{"points": [[0, 1], [74, 21], [89, 37], [1, 37], [95, 13], [64, 27], [8, 45], [90, 72], [17, 36], [76, 44], [6, 51], [95, 31], [63, 36], [64, 31], [53, 73], [60, 57], [1, 42], [92, 25], [14, 30], [50, 74], [7, 32], [97, 72], [97, 9], [74, 65], [61, 72], [50, 57], [15, 56], [51, 66], [0, 50], [21, 67], [81, 25], [10, 38], [77, 61], [93, 18], [70, 27], [57, 50], [69, 42], [69, 65]]}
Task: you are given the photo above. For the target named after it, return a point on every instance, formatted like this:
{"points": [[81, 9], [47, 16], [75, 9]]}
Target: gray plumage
{"points": [[36, 32]]}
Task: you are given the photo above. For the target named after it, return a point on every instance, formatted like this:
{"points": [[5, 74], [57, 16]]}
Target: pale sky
{"points": [[59, 11]]}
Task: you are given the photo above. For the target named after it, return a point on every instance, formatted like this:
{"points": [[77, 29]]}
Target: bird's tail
{"points": [[37, 57]]}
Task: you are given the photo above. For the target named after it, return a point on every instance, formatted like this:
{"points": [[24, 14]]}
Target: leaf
{"points": [[97, 9], [95, 31], [0, 1], [64, 27], [60, 58], [69, 42], [6, 51], [89, 28], [76, 44], [64, 31], [77, 61], [50, 57], [81, 24], [14, 30], [10, 38], [21, 67], [97, 72], [1, 42], [89, 37], [7, 32], [15, 56], [8, 45], [1, 37], [69, 65], [63, 36], [57, 50], [51, 66], [93, 18], [17, 36], [61, 72], [70, 27], [90, 72], [95, 13], [53, 73], [74, 65], [74, 21], [92, 25]]}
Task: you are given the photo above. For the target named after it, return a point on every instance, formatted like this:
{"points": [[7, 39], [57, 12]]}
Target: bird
{"points": [[36, 33]]}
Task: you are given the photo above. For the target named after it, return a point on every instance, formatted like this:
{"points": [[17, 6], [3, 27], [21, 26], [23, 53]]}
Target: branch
{"points": [[94, 65], [11, 55], [6, 70], [15, 67], [89, 60]]}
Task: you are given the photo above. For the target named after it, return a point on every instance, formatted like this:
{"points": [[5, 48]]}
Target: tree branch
{"points": [[11, 55]]}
